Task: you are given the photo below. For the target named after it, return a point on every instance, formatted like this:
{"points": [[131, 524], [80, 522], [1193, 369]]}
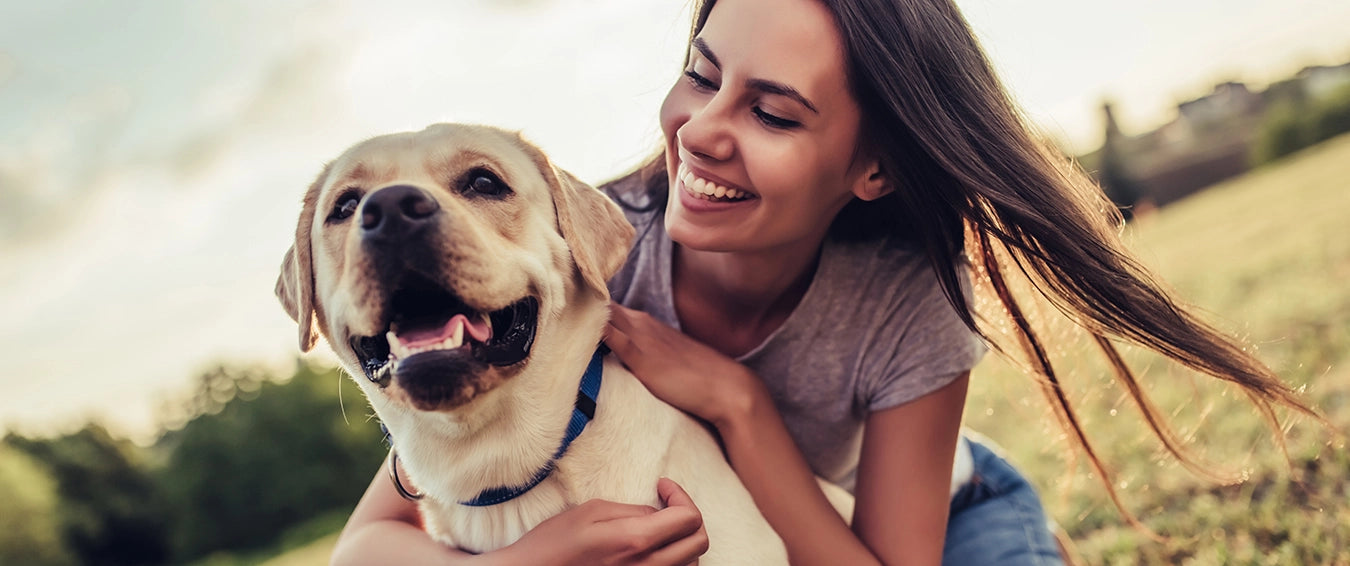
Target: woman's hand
{"points": [[386, 529], [681, 370], [608, 533]]}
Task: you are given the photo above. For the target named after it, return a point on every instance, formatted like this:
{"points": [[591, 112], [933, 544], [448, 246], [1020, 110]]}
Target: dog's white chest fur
{"points": [[633, 440]]}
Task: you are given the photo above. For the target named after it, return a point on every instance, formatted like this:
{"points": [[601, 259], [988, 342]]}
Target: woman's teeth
{"points": [[708, 190]]}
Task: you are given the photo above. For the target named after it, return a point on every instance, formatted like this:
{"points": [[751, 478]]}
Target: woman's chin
{"points": [[699, 238]]}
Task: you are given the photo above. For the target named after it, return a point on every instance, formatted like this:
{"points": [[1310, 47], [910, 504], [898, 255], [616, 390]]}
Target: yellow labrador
{"points": [[460, 277]]}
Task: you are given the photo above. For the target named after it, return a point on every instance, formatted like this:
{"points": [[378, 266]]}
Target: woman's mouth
{"points": [[704, 189]]}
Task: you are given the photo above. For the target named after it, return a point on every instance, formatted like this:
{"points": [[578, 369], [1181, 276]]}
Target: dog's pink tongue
{"points": [[418, 337], [480, 331]]}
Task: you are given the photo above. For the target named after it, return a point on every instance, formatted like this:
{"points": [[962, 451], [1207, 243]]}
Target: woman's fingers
{"points": [[680, 552], [621, 317], [688, 539], [671, 536], [672, 494], [619, 342], [681, 516], [600, 510]]}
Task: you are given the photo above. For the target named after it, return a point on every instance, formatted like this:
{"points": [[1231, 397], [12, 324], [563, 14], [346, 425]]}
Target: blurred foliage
{"points": [[109, 511], [29, 530], [309, 543], [1296, 122], [250, 465], [261, 456]]}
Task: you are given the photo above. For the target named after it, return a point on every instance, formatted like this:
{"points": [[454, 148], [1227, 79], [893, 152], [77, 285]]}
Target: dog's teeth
{"points": [[399, 350], [456, 337], [396, 348]]}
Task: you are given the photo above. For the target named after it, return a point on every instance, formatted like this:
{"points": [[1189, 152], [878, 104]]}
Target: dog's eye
{"points": [[345, 206], [484, 182]]}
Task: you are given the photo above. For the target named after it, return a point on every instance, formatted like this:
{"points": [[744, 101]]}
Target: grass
{"points": [[307, 544], [313, 554], [1267, 258]]}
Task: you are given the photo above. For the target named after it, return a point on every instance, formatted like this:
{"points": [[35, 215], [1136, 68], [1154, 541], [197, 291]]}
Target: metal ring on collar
{"points": [[398, 483]]}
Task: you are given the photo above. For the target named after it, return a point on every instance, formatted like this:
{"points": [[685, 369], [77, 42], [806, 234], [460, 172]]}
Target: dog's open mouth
{"points": [[429, 325]]}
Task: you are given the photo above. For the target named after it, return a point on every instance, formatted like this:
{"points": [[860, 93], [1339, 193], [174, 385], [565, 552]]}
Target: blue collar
{"points": [[582, 413]]}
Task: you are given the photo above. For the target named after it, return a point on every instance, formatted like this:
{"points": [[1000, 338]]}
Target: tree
{"points": [[30, 531], [259, 456], [109, 511]]}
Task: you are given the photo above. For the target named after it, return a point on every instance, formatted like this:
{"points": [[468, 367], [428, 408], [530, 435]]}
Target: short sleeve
{"points": [[921, 343]]}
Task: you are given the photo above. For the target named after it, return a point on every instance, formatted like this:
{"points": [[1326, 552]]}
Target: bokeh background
{"points": [[152, 157]]}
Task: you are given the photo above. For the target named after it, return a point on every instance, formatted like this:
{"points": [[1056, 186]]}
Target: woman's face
{"points": [[764, 121]]}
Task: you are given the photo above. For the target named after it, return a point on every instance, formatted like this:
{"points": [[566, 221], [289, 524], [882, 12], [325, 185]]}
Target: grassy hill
{"points": [[1269, 256]]}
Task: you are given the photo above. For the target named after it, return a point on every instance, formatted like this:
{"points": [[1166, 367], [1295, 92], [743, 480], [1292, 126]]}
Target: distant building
{"points": [[1209, 140], [1229, 101]]}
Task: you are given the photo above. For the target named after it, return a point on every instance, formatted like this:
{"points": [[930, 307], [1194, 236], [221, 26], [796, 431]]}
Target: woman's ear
{"points": [[873, 183]]}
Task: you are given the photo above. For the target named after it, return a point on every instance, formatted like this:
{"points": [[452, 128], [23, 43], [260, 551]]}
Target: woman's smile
{"points": [[701, 192], [709, 189]]}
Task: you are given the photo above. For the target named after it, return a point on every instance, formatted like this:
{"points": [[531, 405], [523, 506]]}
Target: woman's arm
{"points": [[903, 489], [904, 476], [386, 529]]}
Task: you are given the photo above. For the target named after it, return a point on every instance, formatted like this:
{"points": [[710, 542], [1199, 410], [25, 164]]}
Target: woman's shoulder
{"points": [[887, 261], [894, 286]]}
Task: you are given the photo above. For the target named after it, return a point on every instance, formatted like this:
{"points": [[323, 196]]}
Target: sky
{"points": [[153, 154]]}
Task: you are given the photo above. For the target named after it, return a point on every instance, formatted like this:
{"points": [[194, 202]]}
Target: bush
{"points": [[30, 532], [1292, 124], [262, 456], [108, 510]]}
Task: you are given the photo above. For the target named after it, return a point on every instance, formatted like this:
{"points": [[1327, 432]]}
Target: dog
{"points": [[459, 276]]}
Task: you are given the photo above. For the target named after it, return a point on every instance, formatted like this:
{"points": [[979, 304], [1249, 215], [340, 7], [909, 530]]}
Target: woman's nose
{"points": [[708, 133]]}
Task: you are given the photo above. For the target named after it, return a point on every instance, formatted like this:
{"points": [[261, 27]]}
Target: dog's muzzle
{"points": [[435, 345]]}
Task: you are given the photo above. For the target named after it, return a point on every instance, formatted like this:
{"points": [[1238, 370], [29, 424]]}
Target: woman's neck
{"points": [[733, 301]]}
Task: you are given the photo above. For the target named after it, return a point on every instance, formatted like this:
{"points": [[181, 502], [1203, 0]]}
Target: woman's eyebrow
{"points": [[781, 89], [762, 85], [702, 47]]}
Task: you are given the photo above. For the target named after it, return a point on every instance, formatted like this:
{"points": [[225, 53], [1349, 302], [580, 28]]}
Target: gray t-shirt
{"points": [[873, 331]]}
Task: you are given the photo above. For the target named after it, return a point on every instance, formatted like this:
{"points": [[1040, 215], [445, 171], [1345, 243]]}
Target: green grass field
{"points": [[1268, 256]]}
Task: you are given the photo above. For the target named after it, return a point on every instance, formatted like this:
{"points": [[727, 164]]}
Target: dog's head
{"points": [[430, 260]]}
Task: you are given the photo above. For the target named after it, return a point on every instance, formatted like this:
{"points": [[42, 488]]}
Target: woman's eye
{"points": [[345, 207], [699, 81], [773, 121], [483, 182]]}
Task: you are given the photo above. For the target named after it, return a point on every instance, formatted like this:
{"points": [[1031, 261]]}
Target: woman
{"points": [[827, 166]]}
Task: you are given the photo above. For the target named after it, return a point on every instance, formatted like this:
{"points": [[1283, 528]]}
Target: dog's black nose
{"points": [[394, 212]]}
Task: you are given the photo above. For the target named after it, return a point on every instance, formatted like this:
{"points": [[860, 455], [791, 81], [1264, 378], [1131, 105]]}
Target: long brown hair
{"points": [[971, 177]]}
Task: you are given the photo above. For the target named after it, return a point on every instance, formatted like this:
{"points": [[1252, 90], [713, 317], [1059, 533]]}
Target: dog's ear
{"points": [[295, 285], [594, 228]]}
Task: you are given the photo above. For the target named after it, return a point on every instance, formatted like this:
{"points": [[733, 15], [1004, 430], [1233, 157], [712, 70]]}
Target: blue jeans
{"points": [[997, 519]]}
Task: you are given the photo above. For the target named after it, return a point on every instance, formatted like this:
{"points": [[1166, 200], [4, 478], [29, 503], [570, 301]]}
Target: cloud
{"points": [[293, 92], [21, 210], [49, 176], [8, 67], [46, 180]]}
